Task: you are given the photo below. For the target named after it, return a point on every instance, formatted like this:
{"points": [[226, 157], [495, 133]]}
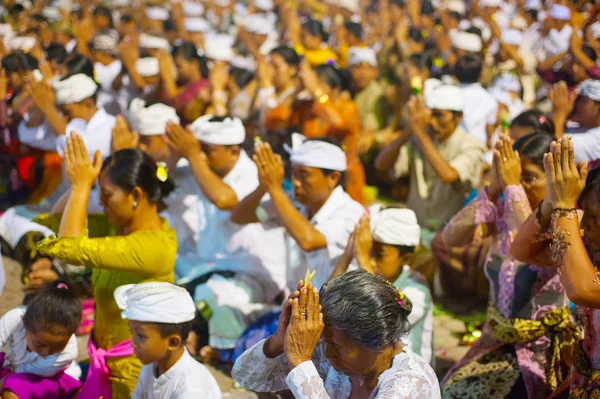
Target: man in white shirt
{"points": [[320, 229], [480, 108], [236, 270], [107, 67]]}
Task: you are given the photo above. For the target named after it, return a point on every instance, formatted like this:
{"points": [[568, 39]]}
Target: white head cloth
{"points": [[155, 302], [507, 82], [51, 13], [259, 24], [443, 96], [196, 24], [519, 22], [464, 24], [360, 55], [24, 43], [154, 42], [157, 13], [147, 66], [492, 3], [512, 36], [246, 63], [319, 154], [466, 41], [560, 12], [350, 5], [486, 32], [219, 47], [457, 6], [106, 42], [152, 120], [394, 226], [596, 30], [533, 4], [230, 131], [74, 89], [192, 9], [264, 5], [222, 3], [590, 88]]}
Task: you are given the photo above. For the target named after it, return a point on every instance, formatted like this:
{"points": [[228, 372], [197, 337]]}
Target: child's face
{"points": [[389, 260], [148, 345], [48, 342]]}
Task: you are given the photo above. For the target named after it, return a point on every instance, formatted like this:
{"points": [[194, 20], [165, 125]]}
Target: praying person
{"points": [[160, 316], [41, 348]]}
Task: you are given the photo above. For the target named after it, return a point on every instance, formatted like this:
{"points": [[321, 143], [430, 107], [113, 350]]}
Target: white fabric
{"points": [[491, 3], [24, 43], [444, 97], [74, 89], [152, 120], [222, 3], [480, 110], [154, 42], [319, 154], [192, 9], [557, 42], [259, 24], [147, 66], [246, 63], [533, 4], [560, 12], [586, 143], [106, 42], [185, 379], [590, 88], [13, 227], [457, 6], [230, 131], [40, 137], [507, 82], [196, 24], [360, 55], [157, 13], [219, 47], [394, 226], [596, 30], [155, 302], [2, 274], [107, 97], [19, 359], [350, 5], [409, 376], [512, 36], [466, 41], [264, 5], [486, 32]]}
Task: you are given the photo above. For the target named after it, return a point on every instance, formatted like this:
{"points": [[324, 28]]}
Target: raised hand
{"points": [[305, 328], [363, 242], [563, 101], [81, 171], [565, 180], [3, 84], [122, 136], [508, 163], [420, 115], [219, 76], [183, 141]]}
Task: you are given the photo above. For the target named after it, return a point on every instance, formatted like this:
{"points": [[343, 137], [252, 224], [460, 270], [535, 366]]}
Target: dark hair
{"points": [[18, 61], [415, 34], [181, 329], [189, 51], [315, 28], [421, 61], [368, 309], [475, 30], [355, 29], [56, 52], [455, 15], [534, 146], [427, 8], [104, 12], [468, 68], [328, 172], [289, 55], [17, 9], [53, 309], [590, 52], [533, 14], [241, 76], [592, 185], [79, 64], [39, 18], [126, 18], [330, 75], [536, 120], [132, 168]]}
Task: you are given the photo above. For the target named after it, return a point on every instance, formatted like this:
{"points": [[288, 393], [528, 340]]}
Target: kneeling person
{"points": [[160, 316]]}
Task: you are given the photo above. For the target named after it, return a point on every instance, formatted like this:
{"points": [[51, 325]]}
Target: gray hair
{"points": [[367, 308]]}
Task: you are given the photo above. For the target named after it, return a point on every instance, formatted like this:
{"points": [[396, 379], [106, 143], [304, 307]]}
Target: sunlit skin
{"points": [[187, 70], [533, 180], [152, 348], [221, 159], [362, 75], [310, 41], [389, 260], [118, 205], [443, 124], [82, 110], [311, 186]]}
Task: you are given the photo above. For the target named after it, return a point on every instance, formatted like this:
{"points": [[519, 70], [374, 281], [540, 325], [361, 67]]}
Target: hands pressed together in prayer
{"points": [[565, 179], [183, 142], [506, 168], [82, 172], [122, 136], [270, 166]]}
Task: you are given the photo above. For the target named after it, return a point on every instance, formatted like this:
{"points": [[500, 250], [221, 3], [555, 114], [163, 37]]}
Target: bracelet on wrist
{"points": [[569, 213]]}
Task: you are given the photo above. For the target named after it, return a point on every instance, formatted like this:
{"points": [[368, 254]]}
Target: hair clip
{"points": [[542, 119], [62, 286], [401, 298], [162, 174]]}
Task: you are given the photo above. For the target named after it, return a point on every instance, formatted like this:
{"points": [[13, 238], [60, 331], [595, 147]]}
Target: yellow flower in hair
{"points": [[401, 294], [161, 171]]}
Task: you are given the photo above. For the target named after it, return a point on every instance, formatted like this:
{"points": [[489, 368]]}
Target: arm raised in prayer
{"points": [[389, 154], [245, 211], [212, 186]]}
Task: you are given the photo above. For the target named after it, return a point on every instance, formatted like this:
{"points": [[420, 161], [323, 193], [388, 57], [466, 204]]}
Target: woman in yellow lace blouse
{"points": [[132, 245]]}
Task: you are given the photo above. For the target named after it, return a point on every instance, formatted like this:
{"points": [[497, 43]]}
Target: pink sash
{"points": [[97, 384]]}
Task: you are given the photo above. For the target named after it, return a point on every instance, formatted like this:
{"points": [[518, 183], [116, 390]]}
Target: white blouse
{"points": [[409, 377]]}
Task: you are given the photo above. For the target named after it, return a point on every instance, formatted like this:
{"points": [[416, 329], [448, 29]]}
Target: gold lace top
{"points": [[142, 256]]}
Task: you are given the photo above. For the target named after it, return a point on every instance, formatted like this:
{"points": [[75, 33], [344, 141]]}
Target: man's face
{"points": [[363, 74], [220, 158], [443, 123], [587, 112]]}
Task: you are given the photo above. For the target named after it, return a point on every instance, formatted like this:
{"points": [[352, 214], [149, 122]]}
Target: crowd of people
{"points": [[283, 186]]}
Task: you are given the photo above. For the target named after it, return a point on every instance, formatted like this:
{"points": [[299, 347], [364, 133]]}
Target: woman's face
{"points": [[101, 22], [346, 356], [311, 185], [590, 223], [15, 81], [118, 205], [310, 41], [533, 180], [283, 73], [186, 68]]}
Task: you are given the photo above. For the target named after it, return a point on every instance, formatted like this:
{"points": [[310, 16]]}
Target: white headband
{"points": [[394, 226], [74, 89], [24, 43], [219, 47], [443, 96], [157, 13], [155, 302], [152, 120], [466, 41], [512, 37], [319, 154], [154, 42], [590, 88], [196, 24], [360, 55], [147, 66], [560, 12], [230, 131], [191, 9]]}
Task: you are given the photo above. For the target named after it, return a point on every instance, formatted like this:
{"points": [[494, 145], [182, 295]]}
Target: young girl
{"points": [[41, 347]]}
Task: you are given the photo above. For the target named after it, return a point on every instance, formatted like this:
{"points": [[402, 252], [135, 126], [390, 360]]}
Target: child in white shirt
{"points": [[160, 316], [41, 347]]}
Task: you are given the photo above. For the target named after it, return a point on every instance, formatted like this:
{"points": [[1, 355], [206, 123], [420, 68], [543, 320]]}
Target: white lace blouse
{"points": [[409, 377]]}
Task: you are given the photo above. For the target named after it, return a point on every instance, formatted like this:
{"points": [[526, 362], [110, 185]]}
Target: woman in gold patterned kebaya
{"points": [[129, 244]]}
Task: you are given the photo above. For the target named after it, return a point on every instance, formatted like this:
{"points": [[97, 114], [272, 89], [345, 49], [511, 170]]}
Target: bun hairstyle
{"points": [[78, 64], [533, 146], [536, 120], [370, 310], [132, 168], [55, 308]]}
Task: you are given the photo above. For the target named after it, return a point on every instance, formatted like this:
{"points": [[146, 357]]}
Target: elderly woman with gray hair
{"points": [[362, 319]]}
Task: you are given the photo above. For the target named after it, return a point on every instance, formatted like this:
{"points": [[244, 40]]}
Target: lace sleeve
{"points": [[409, 378], [253, 370], [305, 382], [516, 207]]}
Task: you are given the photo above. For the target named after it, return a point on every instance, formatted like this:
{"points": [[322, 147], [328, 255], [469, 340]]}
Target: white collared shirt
{"points": [[210, 241], [185, 380], [19, 359], [480, 110], [586, 142], [108, 98]]}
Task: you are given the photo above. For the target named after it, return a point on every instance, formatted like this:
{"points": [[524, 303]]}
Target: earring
{"points": [[135, 204]]}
